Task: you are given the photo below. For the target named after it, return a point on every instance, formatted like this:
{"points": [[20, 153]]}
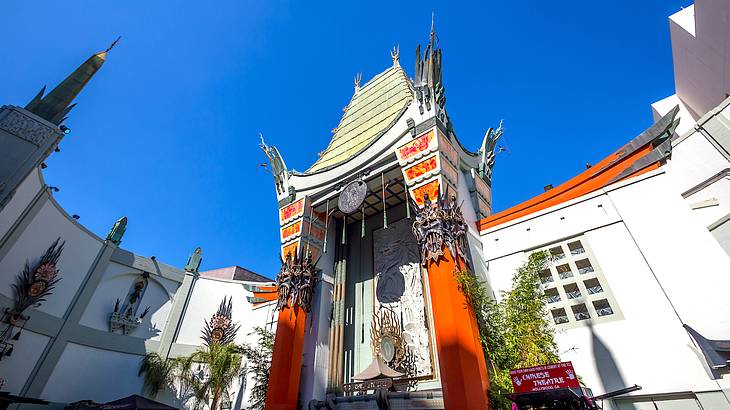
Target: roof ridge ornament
{"points": [[276, 166], [395, 55], [487, 151], [358, 80], [427, 80]]}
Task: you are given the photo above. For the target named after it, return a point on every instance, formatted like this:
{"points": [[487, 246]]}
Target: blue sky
{"points": [[167, 132]]}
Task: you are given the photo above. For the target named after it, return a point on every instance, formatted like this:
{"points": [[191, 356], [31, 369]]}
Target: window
{"points": [[603, 308], [574, 286], [564, 271], [557, 253], [572, 291], [593, 286], [580, 312], [552, 295], [559, 316], [584, 266], [546, 276], [576, 248]]}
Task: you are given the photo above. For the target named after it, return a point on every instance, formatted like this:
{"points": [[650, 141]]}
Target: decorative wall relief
{"points": [[296, 280], [399, 289], [440, 224], [386, 338], [221, 328], [124, 318], [31, 288]]}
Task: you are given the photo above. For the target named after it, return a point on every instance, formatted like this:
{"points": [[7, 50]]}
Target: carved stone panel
{"points": [[399, 288], [25, 127]]}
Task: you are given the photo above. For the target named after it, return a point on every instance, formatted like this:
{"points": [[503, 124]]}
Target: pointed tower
{"points": [[54, 106], [29, 135]]}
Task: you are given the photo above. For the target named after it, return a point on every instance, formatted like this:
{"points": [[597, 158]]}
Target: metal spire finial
{"points": [[114, 43], [433, 30]]}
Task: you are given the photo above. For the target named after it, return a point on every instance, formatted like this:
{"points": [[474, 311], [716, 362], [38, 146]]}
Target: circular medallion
{"points": [[216, 335], [36, 288], [387, 349], [352, 196]]}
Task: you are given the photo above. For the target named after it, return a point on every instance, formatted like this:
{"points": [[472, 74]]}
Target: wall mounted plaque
{"points": [[352, 196]]}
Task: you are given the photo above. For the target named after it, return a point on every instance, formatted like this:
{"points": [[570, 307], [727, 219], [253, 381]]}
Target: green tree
{"points": [[159, 373], [515, 331], [222, 363], [259, 364]]}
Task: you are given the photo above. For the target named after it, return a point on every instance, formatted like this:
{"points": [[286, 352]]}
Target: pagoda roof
{"points": [[373, 110]]}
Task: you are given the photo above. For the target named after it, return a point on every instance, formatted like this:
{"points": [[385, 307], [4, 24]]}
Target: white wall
{"points": [[642, 235], [685, 257], [16, 368], [85, 372], [25, 193], [207, 296], [115, 283], [79, 253]]}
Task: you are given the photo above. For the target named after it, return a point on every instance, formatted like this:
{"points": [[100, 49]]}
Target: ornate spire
{"points": [[56, 104], [427, 80]]}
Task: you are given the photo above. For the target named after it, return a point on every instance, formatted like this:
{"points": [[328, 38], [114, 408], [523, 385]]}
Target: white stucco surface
{"points": [[85, 372], [20, 201], [207, 296], [116, 282], [78, 255], [16, 368]]}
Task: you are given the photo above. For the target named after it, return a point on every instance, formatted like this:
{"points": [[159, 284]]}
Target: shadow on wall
{"points": [[608, 371]]}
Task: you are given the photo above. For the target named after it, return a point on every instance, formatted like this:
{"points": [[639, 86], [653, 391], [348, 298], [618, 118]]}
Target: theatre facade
{"points": [[366, 308]]}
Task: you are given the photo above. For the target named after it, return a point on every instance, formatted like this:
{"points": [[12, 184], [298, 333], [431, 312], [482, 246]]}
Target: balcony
{"points": [[580, 312], [576, 248], [593, 286], [564, 271], [559, 316], [572, 291], [603, 308], [557, 253], [546, 277], [584, 266], [552, 295]]}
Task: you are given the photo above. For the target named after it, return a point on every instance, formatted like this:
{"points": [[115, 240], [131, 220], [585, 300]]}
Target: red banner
{"points": [[547, 377]]}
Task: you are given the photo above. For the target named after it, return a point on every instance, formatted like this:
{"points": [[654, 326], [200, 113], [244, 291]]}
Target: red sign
{"points": [[547, 377]]}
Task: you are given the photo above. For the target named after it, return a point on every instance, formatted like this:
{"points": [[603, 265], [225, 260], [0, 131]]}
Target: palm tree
{"points": [[222, 364], [159, 373]]}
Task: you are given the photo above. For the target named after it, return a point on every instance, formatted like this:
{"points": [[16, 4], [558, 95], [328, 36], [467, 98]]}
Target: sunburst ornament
{"points": [[386, 338], [35, 283], [221, 328]]}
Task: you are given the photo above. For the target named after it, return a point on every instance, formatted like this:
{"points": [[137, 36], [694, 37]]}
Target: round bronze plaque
{"points": [[352, 196]]}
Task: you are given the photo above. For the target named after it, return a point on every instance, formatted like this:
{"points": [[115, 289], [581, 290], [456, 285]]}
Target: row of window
{"points": [[580, 311], [575, 248], [564, 271], [572, 291]]}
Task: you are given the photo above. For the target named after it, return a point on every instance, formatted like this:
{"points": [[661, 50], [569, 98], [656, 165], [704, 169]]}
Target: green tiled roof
{"points": [[373, 110]]}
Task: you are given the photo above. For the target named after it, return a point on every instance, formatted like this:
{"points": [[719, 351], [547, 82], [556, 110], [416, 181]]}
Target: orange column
{"points": [[286, 361], [462, 366]]}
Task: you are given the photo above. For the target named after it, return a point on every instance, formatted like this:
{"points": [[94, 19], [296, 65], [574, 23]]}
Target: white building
{"points": [[71, 346], [639, 259]]}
